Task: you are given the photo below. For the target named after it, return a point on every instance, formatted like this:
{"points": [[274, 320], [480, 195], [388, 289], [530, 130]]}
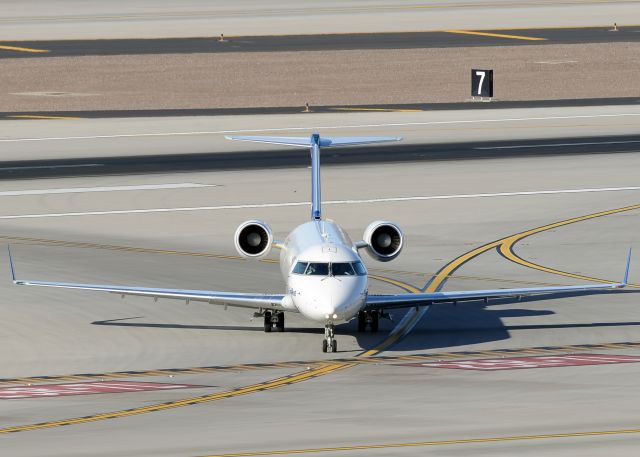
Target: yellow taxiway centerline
{"points": [[431, 443], [506, 246], [434, 285], [273, 384], [404, 325], [496, 35], [19, 49], [324, 369]]}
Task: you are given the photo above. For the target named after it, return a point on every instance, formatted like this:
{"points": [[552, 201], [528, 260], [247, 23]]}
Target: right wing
{"points": [[434, 298]]}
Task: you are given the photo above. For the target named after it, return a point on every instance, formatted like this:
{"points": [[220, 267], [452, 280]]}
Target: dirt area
{"points": [[319, 78]]}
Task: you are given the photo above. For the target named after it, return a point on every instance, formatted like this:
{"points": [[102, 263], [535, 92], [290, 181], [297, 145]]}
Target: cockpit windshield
{"points": [[342, 269], [317, 269], [333, 269]]}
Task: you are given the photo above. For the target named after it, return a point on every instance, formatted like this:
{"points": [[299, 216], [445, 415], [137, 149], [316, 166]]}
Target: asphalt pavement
{"points": [[321, 42]]}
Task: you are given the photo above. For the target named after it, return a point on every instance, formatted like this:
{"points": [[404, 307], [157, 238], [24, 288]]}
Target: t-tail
{"points": [[314, 143]]}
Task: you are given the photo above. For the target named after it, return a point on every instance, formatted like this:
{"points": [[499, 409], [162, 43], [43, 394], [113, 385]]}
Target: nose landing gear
{"points": [[329, 344]]}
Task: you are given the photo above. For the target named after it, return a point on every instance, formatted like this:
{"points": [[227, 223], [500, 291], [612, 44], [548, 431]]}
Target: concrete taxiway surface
{"points": [[334, 406], [91, 140], [64, 19]]}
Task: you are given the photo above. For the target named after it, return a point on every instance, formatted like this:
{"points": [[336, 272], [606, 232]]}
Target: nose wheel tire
{"points": [[329, 342]]}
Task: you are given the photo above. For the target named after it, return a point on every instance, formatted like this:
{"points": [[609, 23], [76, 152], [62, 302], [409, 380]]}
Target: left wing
{"points": [[245, 300], [434, 298]]}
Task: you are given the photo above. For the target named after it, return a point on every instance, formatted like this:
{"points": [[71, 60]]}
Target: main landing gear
{"points": [[274, 320], [329, 344], [369, 319]]}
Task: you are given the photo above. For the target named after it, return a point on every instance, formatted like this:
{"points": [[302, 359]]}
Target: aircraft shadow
{"points": [[444, 326], [447, 326], [120, 323]]}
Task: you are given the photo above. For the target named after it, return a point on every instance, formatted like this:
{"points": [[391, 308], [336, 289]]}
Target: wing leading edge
{"points": [[434, 298], [245, 300]]}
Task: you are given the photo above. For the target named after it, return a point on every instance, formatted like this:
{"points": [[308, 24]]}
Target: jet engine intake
{"points": [[253, 239], [384, 240]]}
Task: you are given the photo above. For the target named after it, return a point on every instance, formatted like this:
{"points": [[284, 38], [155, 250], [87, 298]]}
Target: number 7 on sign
{"points": [[481, 74]]}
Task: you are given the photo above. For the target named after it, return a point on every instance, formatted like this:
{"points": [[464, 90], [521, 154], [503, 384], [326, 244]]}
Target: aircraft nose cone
{"points": [[332, 299]]}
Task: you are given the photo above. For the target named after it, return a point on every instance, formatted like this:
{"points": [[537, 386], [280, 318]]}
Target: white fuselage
{"points": [[325, 277]]}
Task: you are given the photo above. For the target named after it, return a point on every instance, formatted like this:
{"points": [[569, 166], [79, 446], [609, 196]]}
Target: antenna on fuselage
{"points": [[314, 143]]}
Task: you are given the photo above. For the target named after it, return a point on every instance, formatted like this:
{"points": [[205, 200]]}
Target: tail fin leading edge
{"points": [[625, 281]]}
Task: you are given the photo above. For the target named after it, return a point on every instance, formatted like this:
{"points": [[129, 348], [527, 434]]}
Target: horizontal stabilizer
{"points": [[305, 142]]}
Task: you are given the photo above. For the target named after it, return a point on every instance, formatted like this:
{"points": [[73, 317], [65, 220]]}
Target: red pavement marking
{"points": [[85, 388], [543, 361]]}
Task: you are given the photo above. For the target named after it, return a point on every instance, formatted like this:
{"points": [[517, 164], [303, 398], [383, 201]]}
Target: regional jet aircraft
{"points": [[326, 280]]}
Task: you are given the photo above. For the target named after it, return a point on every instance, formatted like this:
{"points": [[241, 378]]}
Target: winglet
{"points": [[625, 281], [13, 272]]}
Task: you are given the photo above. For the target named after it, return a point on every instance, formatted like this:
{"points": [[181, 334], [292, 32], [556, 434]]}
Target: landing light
{"points": [[326, 316], [335, 316]]}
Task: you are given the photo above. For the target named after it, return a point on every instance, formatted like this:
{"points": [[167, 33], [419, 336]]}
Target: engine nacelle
{"points": [[384, 240], [253, 239]]}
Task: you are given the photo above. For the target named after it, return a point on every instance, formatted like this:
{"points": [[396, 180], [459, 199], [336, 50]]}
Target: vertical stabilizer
{"points": [[314, 142], [316, 199]]}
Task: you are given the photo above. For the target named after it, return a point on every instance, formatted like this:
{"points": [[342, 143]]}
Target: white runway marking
{"points": [[42, 167], [328, 127], [81, 190], [330, 202], [557, 145], [556, 62]]}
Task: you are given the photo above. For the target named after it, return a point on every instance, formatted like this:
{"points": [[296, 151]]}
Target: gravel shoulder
{"points": [[179, 81]]}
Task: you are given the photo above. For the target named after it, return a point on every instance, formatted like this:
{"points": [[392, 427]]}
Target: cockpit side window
{"points": [[360, 269], [342, 269], [299, 268], [317, 269]]}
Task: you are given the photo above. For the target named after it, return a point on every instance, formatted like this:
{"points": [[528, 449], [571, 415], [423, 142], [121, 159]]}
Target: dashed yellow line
{"points": [[498, 439], [314, 363], [323, 369], [434, 285], [273, 384], [19, 49], [497, 35]]}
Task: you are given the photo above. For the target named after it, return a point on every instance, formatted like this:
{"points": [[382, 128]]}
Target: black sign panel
{"points": [[482, 83]]}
